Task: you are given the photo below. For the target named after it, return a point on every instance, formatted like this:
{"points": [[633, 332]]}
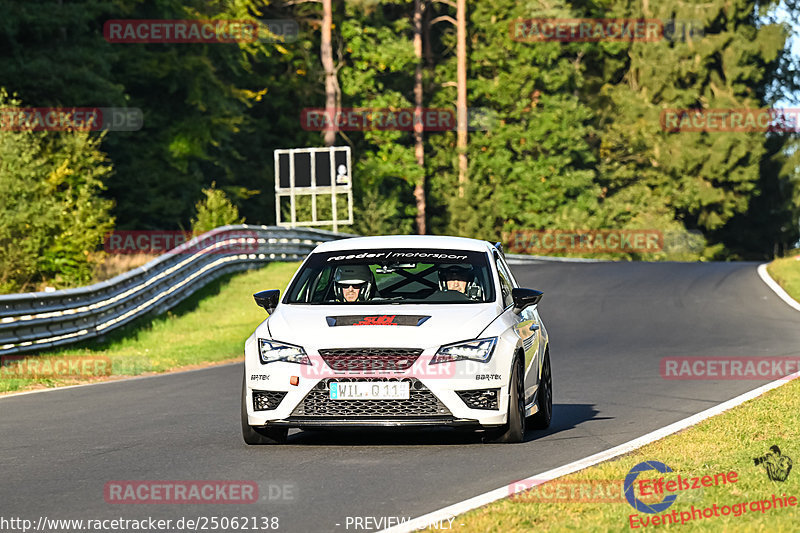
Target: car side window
{"points": [[321, 284], [507, 269], [505, 282]]}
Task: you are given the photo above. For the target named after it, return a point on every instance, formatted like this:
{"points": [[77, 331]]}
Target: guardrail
{"points": [[39, 320]]}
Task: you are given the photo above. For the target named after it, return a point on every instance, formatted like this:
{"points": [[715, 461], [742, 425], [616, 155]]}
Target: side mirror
{"points": [[525, 298], [267, 299]]}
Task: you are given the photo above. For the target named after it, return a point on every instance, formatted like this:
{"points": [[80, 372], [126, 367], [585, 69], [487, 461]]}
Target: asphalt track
{"points": [[610, 324]]}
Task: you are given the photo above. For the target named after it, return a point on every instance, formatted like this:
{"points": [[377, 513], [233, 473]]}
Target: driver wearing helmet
{"points": [[455, 278], [353, 283]]}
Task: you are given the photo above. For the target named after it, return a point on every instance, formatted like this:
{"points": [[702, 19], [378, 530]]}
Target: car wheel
{"points": [[514, 429], [257, 435], [544, 397]]}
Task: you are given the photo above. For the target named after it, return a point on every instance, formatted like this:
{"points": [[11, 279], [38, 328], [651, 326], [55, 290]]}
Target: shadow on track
{"points": [[565, 416]]}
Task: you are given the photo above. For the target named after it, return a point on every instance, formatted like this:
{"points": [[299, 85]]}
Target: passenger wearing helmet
{"points": [[353, 283], [455, 278]]}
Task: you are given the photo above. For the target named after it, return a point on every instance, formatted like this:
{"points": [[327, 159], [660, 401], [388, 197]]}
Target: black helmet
{"points": [[359, 275], [460, 272]]}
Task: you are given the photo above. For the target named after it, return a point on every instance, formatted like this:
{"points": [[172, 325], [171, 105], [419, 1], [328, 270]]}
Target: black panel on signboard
{"points": [[341, 161], [323, 169], [302, 170], [283, 170]]}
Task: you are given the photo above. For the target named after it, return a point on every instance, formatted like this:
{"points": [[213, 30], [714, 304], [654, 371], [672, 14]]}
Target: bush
{"points": [[213, 211], [52, 214]]}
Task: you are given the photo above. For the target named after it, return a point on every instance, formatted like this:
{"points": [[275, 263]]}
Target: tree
{"points": [[576, 144], [378, 72], [52, 213], [214, 211], [534, 167], [695, 180], [419, 137], [332, 92]]}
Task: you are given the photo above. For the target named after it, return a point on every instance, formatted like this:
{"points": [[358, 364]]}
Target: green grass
{"points": [[726, 442], [209, 327], [786, 272]]}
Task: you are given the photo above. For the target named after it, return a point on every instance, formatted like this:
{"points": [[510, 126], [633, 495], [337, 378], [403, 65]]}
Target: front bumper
{"points": [[312, 422], [291, 412], [316, 409], [444, 399]]}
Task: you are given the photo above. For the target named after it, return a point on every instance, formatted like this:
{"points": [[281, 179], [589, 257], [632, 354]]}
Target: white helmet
{"points": [[353, 275]]}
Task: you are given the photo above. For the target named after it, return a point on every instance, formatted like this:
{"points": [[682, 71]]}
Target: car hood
{"points": [[311, 326]]}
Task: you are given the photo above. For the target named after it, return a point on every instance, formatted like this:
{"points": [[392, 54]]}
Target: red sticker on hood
{"points": [[376, 320], [379, 320]]}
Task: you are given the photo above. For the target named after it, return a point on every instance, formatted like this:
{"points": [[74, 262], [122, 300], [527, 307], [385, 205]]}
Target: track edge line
{"points": [[776, 288]]}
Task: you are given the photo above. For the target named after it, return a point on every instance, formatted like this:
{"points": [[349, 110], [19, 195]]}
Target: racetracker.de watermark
{"points": [[401, 119], [181, 492], [71, 119], [728, 368], [590, 490], [567, 491], [174, 242], [603, 29], [66, 367], [140, 31], [785, 120], [545, 242]]}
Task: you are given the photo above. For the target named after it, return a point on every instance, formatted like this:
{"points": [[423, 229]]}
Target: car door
{"points": [[528, 328]]}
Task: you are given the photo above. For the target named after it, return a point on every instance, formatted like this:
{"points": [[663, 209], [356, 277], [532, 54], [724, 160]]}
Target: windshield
{"points": [[397, 276]]}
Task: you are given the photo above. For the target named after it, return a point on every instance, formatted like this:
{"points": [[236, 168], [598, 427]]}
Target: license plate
{"points": [[370, 390]]}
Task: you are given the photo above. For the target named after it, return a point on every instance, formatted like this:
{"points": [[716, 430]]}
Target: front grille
{"points": [[370, 359], [265, 400], [480, 398], [421, 402]]}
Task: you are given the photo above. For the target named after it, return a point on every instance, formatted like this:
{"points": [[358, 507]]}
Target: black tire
{"points": [[544, 397], [514, 429], [256, 435]]}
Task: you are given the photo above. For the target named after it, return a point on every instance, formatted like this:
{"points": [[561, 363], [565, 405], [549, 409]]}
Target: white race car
{"points": [[399, 331]]}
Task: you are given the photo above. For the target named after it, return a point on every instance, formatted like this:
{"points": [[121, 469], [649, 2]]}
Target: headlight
{"points": [[272, 351], [480, 350]]}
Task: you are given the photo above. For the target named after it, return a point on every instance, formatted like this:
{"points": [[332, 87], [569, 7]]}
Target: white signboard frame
{"points": [[339, 181]]}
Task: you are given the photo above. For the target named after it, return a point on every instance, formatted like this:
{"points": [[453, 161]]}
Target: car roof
{"points": [[405, 241]]}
